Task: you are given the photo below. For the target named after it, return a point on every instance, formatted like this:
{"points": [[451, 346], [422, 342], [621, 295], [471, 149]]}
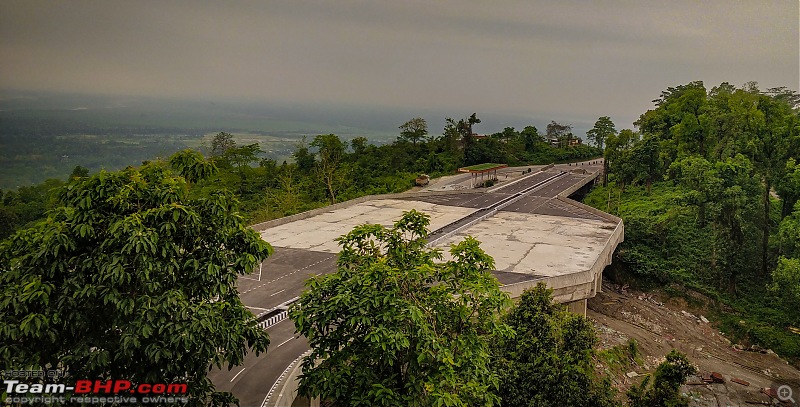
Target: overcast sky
{"points": [[569, 60]]}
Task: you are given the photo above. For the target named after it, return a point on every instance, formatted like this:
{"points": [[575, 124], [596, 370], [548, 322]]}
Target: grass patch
{"points": [[621, 358]]}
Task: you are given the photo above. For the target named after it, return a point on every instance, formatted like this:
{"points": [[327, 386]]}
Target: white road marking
{"points": [[284, 342], [258, 308], [286, 275], [237, 374], [272, 295]]}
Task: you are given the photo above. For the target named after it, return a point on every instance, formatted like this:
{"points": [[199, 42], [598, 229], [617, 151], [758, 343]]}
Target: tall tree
{"points": [[451, 136], [702, 181], [329, 166], [646, 160], [603, 128], [615, 154], [469, 123], [414, 130], [788, 187], [688, 108], [393, 326], [770, 147], [129, 278], [726, 194], [676, 121], [222, 143], [359, 145], [508, 135], [79, 172], [242, 157], [287, 197]]}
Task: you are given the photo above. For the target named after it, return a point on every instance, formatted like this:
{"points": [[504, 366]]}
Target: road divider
{"points": [[275, 315]]}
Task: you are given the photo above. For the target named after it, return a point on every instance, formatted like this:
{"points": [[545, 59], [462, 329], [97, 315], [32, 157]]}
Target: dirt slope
{"points": [[659, 324]]}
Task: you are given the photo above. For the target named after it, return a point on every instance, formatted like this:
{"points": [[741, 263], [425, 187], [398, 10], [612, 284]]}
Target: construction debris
{"points": [[658, 329], [769, 391], [740, 381]]}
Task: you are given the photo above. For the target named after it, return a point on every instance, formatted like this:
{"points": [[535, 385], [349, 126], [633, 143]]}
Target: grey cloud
{"points": [[569, 59]]}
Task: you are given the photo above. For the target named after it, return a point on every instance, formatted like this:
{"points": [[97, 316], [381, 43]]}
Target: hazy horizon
{"points": [[327, 118]]}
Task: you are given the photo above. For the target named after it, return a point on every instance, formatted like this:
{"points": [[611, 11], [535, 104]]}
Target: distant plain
{"points": [[46, 135]]}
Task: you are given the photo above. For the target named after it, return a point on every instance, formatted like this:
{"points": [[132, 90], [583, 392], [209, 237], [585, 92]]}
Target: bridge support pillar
{"points": [[577, 307]]}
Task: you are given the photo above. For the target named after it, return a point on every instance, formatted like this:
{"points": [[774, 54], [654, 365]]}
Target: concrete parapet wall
{"points": [[284, 391], [578, 185], [587, 208]]}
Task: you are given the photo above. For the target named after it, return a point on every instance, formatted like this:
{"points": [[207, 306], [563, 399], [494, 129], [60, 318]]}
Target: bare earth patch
{"points": [[659, 325]]}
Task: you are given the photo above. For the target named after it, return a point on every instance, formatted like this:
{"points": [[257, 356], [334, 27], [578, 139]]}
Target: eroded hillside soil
{"points": [[660, 324]]}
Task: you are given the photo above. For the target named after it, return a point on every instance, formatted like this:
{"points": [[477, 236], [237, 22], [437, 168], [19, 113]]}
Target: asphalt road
{"points": [[282, 278], [251, 381]]}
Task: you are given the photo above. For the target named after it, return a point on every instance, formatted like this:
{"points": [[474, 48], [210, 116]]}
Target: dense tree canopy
{"points": [[559, 131], [713, 162], [662, 389], [130, 278], [548, 360], [393, 327]]}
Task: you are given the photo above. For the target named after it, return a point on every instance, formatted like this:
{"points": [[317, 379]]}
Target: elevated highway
{"points": [[530, 226]]}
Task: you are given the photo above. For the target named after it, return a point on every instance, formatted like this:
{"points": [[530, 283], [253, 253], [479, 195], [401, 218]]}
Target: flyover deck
{"points": [[534, 233]]}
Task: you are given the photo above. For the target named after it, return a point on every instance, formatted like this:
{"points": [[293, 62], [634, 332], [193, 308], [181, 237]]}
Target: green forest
{"points": [[708, 189], [328, 169]]}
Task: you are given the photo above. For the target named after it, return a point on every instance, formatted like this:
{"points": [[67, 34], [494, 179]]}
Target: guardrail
{"points": [[276, 314]]}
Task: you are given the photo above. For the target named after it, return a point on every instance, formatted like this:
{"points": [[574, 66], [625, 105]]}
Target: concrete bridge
{"points": [[530, 226]]}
